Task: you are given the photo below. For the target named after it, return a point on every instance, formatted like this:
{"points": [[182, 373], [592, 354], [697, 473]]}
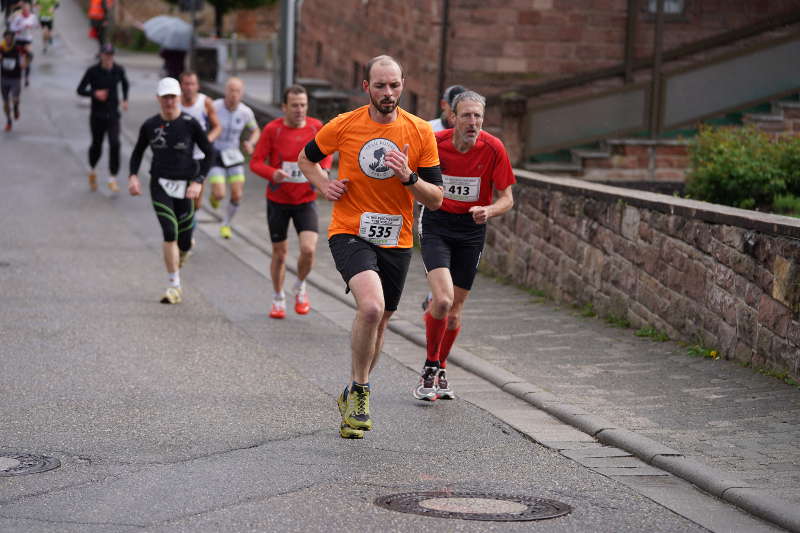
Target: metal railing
{"points": [[729, 83], [771, 23]]}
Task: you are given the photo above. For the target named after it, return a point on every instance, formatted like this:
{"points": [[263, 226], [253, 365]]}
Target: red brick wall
{"points": [[354, 31], [259, 23], [494, 44]]}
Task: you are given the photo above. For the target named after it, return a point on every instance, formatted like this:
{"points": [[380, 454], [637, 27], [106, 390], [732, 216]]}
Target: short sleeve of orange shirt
{"points": [[377, 206]]}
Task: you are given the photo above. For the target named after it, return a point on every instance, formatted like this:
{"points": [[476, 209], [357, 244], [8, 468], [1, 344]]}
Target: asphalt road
{"points": [[208, 416]]}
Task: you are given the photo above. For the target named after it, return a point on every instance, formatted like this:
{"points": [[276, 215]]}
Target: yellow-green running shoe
{"points": [[225, 232], [172, 296], [213, 201], [357, 415], [345, 431]]}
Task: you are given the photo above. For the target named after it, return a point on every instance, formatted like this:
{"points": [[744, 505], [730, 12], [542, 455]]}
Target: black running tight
{"points": [[175, 215], [101, 126]]}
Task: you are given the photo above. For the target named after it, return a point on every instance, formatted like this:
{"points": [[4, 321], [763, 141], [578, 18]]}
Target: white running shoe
{"points": [[426, 389]]}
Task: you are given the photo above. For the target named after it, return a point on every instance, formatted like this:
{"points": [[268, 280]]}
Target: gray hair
{"points": [[472, 96]]}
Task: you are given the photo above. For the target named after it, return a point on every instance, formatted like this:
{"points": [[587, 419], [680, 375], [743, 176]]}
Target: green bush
{"points": [[743, 167], [786, 204]]}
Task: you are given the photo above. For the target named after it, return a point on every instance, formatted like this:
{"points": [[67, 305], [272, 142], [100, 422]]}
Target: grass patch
{"points": [[698, 350], [781, 375], [587, 311], [618, 321], [652, 334], [786, 204]]}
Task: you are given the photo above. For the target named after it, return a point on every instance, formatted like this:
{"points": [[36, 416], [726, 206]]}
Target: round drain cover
{"points": [[474, 506], [25, 463]]}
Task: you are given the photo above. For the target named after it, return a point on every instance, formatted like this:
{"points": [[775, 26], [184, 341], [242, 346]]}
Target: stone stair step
{"points": [[764, 117], [589, 154], [554, 167], [649, 142]]}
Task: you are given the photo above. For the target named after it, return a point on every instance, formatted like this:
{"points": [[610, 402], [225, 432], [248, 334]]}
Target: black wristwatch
{"points": [[412, 179]]}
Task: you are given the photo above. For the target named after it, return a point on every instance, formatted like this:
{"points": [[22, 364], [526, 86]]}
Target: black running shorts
{"points": [[452, 241], [304, 216], [354, 255], [10, 87]]}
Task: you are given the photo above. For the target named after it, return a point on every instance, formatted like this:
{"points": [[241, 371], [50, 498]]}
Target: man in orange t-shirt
{"points": [[370, 233]]}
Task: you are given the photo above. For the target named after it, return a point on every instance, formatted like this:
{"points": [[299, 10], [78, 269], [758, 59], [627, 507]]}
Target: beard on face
{"points": [[385, 107]]}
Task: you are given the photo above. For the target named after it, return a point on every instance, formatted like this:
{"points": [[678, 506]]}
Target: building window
{"points": [[674, 10], [671, 7], [318, 54]]}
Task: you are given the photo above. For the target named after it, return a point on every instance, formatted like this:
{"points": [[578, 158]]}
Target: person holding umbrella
{"points": [[174, 35]]}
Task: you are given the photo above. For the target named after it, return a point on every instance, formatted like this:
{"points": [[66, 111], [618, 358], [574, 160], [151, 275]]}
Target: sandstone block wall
{"points": [[726, 278]]}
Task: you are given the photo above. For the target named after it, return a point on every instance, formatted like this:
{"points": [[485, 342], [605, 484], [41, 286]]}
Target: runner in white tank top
{"points": [[235, 118], [201, 108], [198, 111]]}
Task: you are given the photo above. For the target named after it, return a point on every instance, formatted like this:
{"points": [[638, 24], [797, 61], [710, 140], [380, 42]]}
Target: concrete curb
{"points": [[763, 506]]}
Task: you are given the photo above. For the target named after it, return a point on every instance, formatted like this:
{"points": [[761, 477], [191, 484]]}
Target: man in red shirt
{"points": [[290, 196], [477, 179]]}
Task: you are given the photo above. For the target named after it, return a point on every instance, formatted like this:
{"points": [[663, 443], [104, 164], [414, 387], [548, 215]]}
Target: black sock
{"points": [[432, 363]]}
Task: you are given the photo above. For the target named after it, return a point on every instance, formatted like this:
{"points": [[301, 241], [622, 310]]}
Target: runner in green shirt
{"points": [[47, 10]]}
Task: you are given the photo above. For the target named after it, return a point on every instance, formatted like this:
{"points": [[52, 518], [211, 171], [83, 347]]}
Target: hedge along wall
{"points": [[723, 277]]}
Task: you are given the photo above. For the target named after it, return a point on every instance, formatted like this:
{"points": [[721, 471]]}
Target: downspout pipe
{"points": [[443, 50]]}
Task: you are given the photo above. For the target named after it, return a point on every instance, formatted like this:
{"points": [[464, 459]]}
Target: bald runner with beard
{"points": [[387, 160]]}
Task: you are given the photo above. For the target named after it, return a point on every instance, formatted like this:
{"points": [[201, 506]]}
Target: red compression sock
{"points": [[434, 330], [448, 339]]}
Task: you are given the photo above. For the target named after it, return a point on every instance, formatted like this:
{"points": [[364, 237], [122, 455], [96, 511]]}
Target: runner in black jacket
{"points": [[100, 82], [175, 177]]}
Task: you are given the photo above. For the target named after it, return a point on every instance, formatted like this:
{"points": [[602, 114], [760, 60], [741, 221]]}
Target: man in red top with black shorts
{"points": [[475, 171], [290, 196]]}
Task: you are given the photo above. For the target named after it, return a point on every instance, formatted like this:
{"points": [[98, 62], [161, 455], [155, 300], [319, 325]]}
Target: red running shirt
{"points": [[278, 148], [469, 178]]}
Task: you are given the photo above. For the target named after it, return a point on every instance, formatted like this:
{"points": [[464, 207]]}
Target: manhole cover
{"points": [[474, 506], [21, 464]]}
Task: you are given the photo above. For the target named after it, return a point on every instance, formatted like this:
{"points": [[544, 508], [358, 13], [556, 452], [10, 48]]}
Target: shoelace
{"points": [[429, 374], [362, 403]]}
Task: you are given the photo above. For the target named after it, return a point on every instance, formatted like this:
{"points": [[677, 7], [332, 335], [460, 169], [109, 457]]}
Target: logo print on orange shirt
{"points": [[372, 158]]}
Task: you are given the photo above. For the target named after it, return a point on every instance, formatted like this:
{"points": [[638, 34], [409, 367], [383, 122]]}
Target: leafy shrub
{"points": [[786, 204], [743, 167]]}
